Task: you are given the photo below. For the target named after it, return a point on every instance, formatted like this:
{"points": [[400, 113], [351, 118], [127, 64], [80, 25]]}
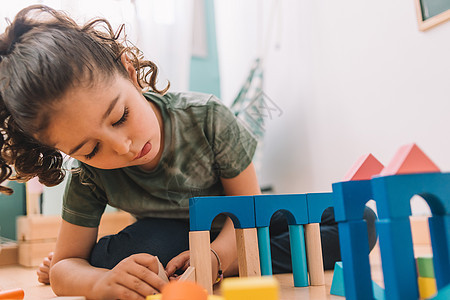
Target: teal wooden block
{"points": [[337, 285], [265, 258], [338, 289], [298, 255], [443, 294]]}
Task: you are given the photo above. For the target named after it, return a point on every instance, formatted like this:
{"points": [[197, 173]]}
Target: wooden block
{"points": [[199, 245], [188, 275], [248, 253], [409, 159], [37, 234], [314, 254], [40, 227], [37, 227], [31, 254], [252, 288], [34, 190], [161, 272], [420, 230], [364, 168], [9, 253], [425, 267], [427, 287]]}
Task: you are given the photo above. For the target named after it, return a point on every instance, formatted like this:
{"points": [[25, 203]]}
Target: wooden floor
{"points": [[12, 277]]}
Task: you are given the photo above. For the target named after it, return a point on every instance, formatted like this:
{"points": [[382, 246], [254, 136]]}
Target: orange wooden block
{"points": [[12, 294], [364, 168], [409, 159], [183, 290]]}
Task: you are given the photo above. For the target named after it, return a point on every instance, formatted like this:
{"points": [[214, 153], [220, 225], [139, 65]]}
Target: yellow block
{"points": [[159, 297], [250, 288], [427, 287]]}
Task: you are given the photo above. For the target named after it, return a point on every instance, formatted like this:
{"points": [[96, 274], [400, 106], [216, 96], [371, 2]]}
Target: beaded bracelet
{"points": [[219, 272]]}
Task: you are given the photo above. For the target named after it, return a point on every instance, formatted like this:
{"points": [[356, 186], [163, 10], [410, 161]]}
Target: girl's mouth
{"points": [[146, 149]]}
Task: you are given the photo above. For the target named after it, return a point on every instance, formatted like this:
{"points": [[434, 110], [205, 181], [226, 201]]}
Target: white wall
{"points": [[352, 77]]}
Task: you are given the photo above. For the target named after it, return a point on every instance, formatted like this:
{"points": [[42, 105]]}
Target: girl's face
{"points": [[108, 125]]}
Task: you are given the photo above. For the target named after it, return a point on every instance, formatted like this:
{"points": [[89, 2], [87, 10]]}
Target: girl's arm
{"points": [[71, 273]]}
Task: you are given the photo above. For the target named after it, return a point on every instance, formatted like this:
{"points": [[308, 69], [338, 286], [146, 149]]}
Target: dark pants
{"points": [[166, 238]]}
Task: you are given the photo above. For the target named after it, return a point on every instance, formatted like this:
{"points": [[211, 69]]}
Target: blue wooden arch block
{"points": [[317, 203], [203, 210], [293, 206], [393, 193], [350, 198], [393, 196]]}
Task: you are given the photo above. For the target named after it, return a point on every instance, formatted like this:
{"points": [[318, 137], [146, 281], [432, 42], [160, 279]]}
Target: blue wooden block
{"points": [[293, 206], [440, 242], [337, 285], [443, 294], [354, 245], [317, 203], [398, 262], [393, 193], [203, 210], [265, 258], [350, 198], [298, 255]]}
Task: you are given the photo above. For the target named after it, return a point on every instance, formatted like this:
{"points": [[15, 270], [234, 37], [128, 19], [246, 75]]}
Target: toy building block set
{"points": [[409, 173]]}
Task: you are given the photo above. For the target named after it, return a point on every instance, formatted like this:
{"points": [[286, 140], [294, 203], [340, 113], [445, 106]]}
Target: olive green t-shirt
{"points": [[203, 141]]}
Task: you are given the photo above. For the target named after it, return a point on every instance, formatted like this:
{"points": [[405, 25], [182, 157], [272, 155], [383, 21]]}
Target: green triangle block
{"points": [[337, 285], [443, 294]]}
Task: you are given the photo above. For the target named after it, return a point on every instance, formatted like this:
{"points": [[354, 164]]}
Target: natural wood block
{"points": [[248, 252], [40, 227], [199, 246], [37, 227], [31, 254], [9, 252], [420, 230], [188, 275], [314, 254], [37, 234]]}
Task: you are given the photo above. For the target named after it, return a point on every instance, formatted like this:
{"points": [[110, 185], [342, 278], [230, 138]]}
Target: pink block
{"points": [[364, 168], [34, 186], [410, 159]]}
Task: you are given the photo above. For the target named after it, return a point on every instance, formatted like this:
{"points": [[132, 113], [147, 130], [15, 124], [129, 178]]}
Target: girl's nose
{"points": [[121, 146]]}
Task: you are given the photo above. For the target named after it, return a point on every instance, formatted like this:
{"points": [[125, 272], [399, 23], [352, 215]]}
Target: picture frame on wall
{"points": [[432, 12]]}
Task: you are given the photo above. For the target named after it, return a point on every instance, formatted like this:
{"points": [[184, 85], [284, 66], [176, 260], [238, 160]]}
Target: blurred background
{"points": [[332, 79]]}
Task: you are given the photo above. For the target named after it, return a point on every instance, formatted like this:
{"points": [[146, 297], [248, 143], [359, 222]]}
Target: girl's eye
{"points": [[123, 119], [92, 154]]}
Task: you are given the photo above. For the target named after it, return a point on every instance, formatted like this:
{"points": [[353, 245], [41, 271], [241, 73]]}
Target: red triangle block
{"points": [[410, 159], [364, 168]]}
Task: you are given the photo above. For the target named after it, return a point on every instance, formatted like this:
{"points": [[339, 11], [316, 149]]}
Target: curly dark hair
{"points": [[43, 53]]}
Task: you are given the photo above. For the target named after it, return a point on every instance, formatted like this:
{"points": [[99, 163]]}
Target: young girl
{"points": [[77, 90]]}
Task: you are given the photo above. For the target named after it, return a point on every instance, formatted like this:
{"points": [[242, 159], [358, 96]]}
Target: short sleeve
{"points": [[84, 201], [233, 145]]}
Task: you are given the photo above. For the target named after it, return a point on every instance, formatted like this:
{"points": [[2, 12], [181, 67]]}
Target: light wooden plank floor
{"points": [[19, 277]]}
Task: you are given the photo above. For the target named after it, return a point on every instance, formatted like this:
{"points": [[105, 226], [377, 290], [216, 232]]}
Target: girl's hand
{"points": [[179, 262], [182, 261], [135, 277], [44, 269]]}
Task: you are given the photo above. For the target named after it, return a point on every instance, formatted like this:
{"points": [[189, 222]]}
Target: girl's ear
{"points": [[126, 61]]}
